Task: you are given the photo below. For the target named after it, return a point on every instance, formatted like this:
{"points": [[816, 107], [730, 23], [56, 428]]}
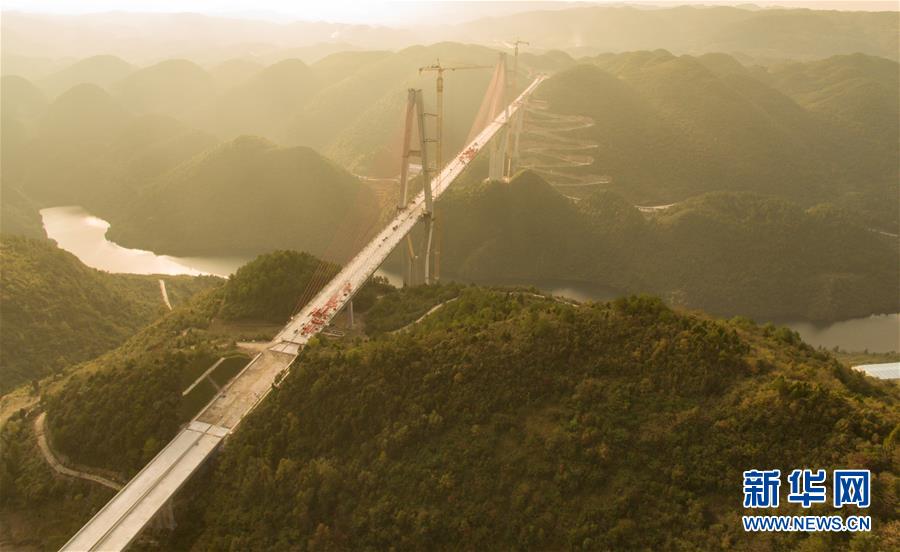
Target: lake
{"points": [[84, 235]]}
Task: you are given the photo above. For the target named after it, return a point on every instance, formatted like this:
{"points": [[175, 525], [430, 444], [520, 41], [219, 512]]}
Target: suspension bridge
{"points": [[147, 498]]}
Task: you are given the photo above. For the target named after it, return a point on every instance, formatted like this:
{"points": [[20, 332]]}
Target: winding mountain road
{"points": [[40, 432]]}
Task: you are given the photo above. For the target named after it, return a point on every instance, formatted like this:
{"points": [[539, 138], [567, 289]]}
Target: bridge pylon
{"points": [[416, 267]]}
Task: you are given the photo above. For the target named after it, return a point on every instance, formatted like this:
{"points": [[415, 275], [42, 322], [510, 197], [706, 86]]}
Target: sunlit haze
{"points": [[536, 276], [387, 12]]}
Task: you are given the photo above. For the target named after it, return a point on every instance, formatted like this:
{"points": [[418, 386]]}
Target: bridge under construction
{"points": [[149, 494]]}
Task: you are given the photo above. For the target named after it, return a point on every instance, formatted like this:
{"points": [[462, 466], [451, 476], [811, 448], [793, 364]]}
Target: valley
{"points": [[514, 276]]}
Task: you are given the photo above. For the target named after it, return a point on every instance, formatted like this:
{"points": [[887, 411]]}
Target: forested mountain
{"points": [[21, 103], [57, 312], [270, 286], [761, 33], [726, 253], [233, 72], [348, 105], [143, 379], [506, 420], [260, 103], [670, 127], [667, 129], [248, 196], [102, 146], [175, 87], [520, 407], [100, 70], [83, 148], [357, 120]]}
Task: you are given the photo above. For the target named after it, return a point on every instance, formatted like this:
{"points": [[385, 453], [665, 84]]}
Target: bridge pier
{"points": [[415, 120], [165, 518]]}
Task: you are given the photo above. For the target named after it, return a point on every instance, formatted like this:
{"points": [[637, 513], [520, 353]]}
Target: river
{"points": [[84, 235]]}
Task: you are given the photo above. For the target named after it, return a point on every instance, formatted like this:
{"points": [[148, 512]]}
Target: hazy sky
{"points": [[375, 12]]}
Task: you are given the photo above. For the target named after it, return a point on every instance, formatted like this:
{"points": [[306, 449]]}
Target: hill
{"points": [[262, 289], [250, 196], [668, 127], [58, 312], [233, 72], [21, 106], [85, 148], [765, 34], [506, 420], [261, 103], [724, 252], [143, 379], [537, 405], [858, 98], [175, 87], [356, 116], [100, 70], [21, 99]]}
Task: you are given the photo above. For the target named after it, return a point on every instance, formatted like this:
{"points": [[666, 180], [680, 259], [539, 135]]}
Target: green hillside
{"points": [[269, 287], [174, 87], [668, 128], [233, 72], [508, 421], [858, 97], [261, 104], [142, 380], [85, 148], [20, 98], [100, 70], [21, 106], [726, 253], [250, 196], [761, 33], [357, 119], [57, 312], [535, 408]]}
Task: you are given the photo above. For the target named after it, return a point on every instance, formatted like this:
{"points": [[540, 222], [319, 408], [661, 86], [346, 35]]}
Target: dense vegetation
{"points": [[766, 34], [724, 252], [396, 309], [460, 417], [264, 288], [248, 196], [118, 410], [669, 127], [83, 148], [57, 312], [108, 140], [38, 509], [508, 421]]}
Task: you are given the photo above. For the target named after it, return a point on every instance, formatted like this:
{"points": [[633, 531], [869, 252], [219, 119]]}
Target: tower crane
{"points": [[512, 153], [515, 47], [439, 126], [439, 133]]}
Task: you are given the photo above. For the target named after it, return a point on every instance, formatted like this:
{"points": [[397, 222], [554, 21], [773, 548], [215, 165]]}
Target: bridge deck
{"points": [[122, 518], [332, 298]]}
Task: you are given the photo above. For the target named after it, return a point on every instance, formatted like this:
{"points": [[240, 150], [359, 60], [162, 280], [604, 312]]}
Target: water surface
{"points": [[84, 235]]}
